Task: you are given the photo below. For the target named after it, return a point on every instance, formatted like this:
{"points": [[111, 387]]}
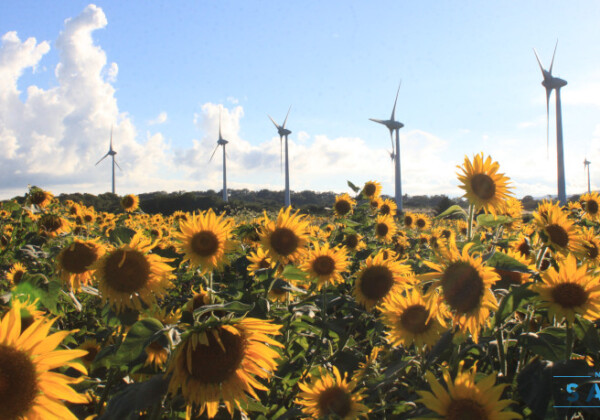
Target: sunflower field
{"points": [[484, 313]]}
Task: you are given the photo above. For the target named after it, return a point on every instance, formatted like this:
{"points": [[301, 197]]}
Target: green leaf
{"points": [[550, 343], [136, 398], [121, 235], [506, 262], [490, 220], [455, 209], [511, 302], [232, 307], [140, 335], [588, 335], [292, 273], [354, 187]]}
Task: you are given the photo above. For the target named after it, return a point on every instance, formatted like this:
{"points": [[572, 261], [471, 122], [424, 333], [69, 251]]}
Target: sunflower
{"points": [[39, 197], [16, 273], [130, 203], [409, 220], [570, 290], [385, 228], [513, 208], [204, 239], [371, 189], [388, 207], [363, 367], [461, 227], [53, 225], [377, 278], [286, 239], [222, 363], [591, 246], [410, 320], [557, 231], [484, 187], [422, 221], [331, 394], [129, 276], [590, 203], [326, 264], [31, 388], [74, 262], [465, 286], [157, 352], [375, 202], [401, 245], [92, 348], [522, 245], [259, 260], [466, 398], [343, 205], [353, 241]]}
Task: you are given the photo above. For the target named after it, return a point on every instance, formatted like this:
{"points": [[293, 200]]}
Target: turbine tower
{"points": [[395, 126], [550, 82], [112, 154], [222, 142], [284, 132], [586, 165]]}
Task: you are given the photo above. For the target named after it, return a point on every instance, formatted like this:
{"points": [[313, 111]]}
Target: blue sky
{"points": [[470, 83]]}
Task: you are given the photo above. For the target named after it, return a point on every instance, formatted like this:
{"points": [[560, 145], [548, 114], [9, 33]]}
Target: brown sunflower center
{"points": [[408, 221], [18, 382], [592, 251], [264, 263], [591, 206], [524, 248], [351, 241], [216, 362], [466, 409], [558, 235], [385, 209], [50, 222], [18, 276], [569, 295], [414, 319], [382, 229], [370, 189], [284, 241], [78, 257], [462, 286], [446, 233], [38, 197], [421, 223], [323, 265], [508, 277], [376, 282], [199, 300], [91, 355], [128, 201], [342, 207], [205, 243], [127, 271], [483, 186], [336, 401]]}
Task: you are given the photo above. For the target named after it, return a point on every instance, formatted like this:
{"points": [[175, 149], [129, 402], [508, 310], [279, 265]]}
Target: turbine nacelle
{"points": [[553, 83], [222, 142]]}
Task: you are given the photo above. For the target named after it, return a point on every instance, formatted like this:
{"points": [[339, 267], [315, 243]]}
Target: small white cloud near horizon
{"points": [[160, 119]]}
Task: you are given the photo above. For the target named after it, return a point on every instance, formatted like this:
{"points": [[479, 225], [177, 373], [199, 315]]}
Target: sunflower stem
{"points": [[570, 339], [210, 288], [540, 257], [501, 352], [470, 222]]}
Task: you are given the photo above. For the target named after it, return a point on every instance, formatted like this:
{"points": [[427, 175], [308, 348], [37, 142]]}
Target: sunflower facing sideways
{"points": [[129, 276], [285, 240], [557, 230], [74, 262], [222, 362], [590, 202], [343, 205], [130, 203], [465, 398], [258, 261], [484, 187], [16, 273], [464, 284], [325, 264], [30, 387], [331, 394], [385, 228], [570, 290], [371, 189], [204, 239]]}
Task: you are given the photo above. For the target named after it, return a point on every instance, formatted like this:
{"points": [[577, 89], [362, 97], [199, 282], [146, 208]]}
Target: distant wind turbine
{"points": [[284, 132], [112, 154], [222, 142], [395, 126], [586, 165], [550, 82]]}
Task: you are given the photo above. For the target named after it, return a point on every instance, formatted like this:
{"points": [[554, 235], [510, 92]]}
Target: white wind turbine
{"points": [[550, 82], [284, 132], [395, 126], [112, 154], [222, 142], [586, 165]]}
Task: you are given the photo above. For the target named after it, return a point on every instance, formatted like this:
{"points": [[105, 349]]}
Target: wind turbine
{"points": [[550, 82], [284, 132], [586, 164], [395, 126], [222, 142], [112, 154]]}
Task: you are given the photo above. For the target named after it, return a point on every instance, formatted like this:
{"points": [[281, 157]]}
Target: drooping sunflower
{"points": [[130, 203], [223, 363], [74, 262], [570, 290], [52, 225], [285, 240], [259, 260], [464, 284], [129, 275], [388, 207], [325, 264], [157, 352], [371, 189], [377, 278], [465, 398], [39, 197], [204, 239], [331, 394], [590, 202], [30, 386], [558, 231], [410, 320], [385, 228], [15, 274], [344, 205], [484, 187]]}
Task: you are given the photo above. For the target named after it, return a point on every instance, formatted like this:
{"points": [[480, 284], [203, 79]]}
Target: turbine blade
{"points": [[552, 62], [111, 132], [104, 157], [396, 101], [213, 153], [286, 116], [220, 137], [377, 121], [539, 62], [273, 121], [117, 164]]}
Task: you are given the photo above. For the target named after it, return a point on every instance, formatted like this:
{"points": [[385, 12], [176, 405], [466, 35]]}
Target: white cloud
{"points": [[160, 119]]}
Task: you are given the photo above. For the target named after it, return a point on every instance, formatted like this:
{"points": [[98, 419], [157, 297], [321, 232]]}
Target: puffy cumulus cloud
{"points": [[53, 137], [160, 119]]}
